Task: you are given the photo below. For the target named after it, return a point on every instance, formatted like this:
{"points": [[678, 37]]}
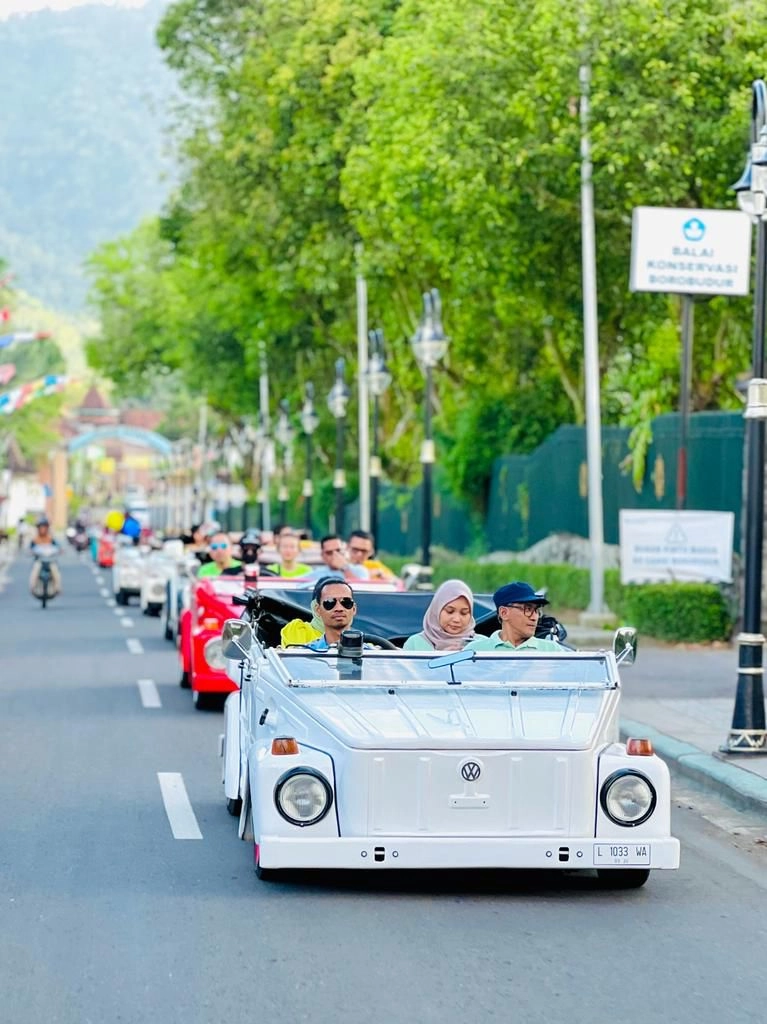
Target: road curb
{"points": [[741, 788]]}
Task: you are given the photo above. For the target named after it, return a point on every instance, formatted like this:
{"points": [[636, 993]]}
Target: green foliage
{"points": [[677, 612], [444, 138]]}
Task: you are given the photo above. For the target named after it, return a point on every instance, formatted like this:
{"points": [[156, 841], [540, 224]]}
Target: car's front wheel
{"points": [[623, 878]]}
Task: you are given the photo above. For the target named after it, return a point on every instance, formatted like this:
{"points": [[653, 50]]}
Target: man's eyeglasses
{"points": [[219, 547], [528, 609], [330, 602]]}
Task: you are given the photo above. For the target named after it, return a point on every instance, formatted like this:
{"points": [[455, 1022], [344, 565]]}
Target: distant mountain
{"points": [[85, 98]]}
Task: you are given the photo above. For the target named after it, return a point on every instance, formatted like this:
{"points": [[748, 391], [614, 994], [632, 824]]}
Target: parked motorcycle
{"points": [[45, 578]]}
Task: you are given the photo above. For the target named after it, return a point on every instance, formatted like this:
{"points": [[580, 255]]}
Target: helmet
{"points": [[43, 521]]}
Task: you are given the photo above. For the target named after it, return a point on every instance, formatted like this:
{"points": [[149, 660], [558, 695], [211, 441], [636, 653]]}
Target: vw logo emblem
{"points": [[471, 771]]}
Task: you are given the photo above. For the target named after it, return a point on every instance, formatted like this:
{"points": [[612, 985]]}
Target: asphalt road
{"points": [[106, 917]]}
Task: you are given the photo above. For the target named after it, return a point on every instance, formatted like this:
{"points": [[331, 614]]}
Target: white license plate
{"points": [[630, 854]]}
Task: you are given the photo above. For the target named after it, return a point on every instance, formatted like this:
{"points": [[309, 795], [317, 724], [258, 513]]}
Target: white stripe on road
{"points": [[134, 645], [104, 592], [150, 696], [111, 602], [120, 611], [183, 823], [99, 578], [127, 623]]}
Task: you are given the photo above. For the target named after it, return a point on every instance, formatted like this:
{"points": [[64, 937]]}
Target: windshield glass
{"points": [[527, 670]]}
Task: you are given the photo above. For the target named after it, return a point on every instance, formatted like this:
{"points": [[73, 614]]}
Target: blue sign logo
{"points": [[694, 229]]}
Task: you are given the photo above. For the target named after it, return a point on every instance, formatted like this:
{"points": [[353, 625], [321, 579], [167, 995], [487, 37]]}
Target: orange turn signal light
{"points": [[211, 623], [284, 745], [639, 748]]}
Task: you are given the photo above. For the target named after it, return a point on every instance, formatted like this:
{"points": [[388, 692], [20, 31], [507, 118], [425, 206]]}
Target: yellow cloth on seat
{"points": [[298, 632]]}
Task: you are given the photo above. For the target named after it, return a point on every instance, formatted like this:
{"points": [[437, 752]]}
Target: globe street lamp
{"points": [[747, 733], [284, 433], [379, 379], [338, 399], [430, 345], [309, 423]]}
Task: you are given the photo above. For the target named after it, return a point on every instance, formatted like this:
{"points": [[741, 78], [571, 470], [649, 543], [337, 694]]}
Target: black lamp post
{"points": [[430, 345], [309, 423], [747, 733], [338, 399], [284, 434], [379, 380]]}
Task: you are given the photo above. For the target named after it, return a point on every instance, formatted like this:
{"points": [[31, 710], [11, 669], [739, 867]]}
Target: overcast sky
{"points": [[8, 7]]}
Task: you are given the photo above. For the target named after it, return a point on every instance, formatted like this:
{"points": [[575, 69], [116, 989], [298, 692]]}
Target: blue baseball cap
{"points": [[517, 593]]}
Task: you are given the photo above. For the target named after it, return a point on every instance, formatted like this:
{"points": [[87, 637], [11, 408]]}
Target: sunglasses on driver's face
{"points": [[218, 547], [330, 602]]}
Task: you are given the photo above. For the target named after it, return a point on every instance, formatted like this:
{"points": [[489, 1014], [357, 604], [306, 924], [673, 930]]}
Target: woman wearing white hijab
{"points": [[448, 624]]}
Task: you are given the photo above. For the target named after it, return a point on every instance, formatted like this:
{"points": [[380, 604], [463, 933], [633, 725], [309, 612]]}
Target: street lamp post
{"points": [[309, 423], [378, 379], [338, 399], [747, 733], [430, 345], [284, 433]]}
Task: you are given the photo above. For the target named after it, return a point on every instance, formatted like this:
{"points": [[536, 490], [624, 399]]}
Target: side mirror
{"points": [[236, 638], [625, 645]]}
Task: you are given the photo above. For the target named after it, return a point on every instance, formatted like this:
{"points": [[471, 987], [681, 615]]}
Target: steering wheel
{"points": [[379, 641]]}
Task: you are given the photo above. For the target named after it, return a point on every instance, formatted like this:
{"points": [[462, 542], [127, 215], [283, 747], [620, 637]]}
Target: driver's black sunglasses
{"points": [[345, 602]]}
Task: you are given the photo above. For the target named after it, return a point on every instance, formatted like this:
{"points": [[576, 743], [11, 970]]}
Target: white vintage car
{"points": [[158, 568], [127, 572], [375, 759]]}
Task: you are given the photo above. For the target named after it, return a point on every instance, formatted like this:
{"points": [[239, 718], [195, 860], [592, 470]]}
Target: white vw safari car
{"points": [[384, 759]]}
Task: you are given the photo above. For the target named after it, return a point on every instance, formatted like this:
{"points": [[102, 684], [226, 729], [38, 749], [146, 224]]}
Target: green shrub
{"points": [[678, 612]]}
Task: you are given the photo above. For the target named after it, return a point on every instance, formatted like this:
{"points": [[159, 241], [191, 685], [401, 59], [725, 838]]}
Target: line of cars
{"points": [[378, 758]]}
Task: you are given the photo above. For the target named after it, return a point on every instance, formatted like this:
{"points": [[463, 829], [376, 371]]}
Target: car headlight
{"points": [[214, 653], [303, 796], [628, 798]]}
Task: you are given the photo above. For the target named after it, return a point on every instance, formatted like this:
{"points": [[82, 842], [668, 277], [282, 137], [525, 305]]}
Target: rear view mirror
{"points": [[236, 638], [625, 645]]}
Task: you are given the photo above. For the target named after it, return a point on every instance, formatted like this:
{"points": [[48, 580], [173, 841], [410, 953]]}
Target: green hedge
{"points": [[677, 612]]}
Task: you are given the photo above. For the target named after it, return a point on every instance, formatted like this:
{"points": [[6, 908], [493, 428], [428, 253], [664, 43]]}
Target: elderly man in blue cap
{"points": [[518, 609]]}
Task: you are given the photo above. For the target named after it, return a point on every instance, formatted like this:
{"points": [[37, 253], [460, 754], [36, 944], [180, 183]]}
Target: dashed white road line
{"points": [[120, 611], [99, 578], [134, 645], [183, 823], [111, 602], [149, 693], [104, 592], [127, 623]]}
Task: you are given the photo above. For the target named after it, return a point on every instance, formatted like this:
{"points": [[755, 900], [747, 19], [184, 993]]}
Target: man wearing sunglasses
{"points": [[518, 608], [222, 564], [333, 604], [333, 552]]}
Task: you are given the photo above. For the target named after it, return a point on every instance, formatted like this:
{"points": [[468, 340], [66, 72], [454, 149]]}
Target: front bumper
{"points": [[412, 853]]}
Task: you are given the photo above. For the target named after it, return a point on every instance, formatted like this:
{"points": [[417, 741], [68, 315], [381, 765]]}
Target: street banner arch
{"points": [[129, 435]]}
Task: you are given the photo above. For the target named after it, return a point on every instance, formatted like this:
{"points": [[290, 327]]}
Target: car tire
{"points": [[121, 597], [204, 701], [234, 807], [153, 610], [184, 682], [623, 878]]}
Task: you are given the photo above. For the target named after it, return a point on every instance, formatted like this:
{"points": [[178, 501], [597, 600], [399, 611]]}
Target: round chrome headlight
{"points": [[214, 654], [628, 798], [303, 796]]}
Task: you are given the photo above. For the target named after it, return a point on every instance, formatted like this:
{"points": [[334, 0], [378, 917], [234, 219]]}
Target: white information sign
{"points": [[692, 252], [661, 546]]}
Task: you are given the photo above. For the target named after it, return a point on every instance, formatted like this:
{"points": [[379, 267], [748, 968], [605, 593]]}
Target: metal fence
{"points": [[532, 496]]}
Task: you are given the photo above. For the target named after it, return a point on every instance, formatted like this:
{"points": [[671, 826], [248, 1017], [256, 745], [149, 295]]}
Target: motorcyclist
{"points": [[43, 539]]}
